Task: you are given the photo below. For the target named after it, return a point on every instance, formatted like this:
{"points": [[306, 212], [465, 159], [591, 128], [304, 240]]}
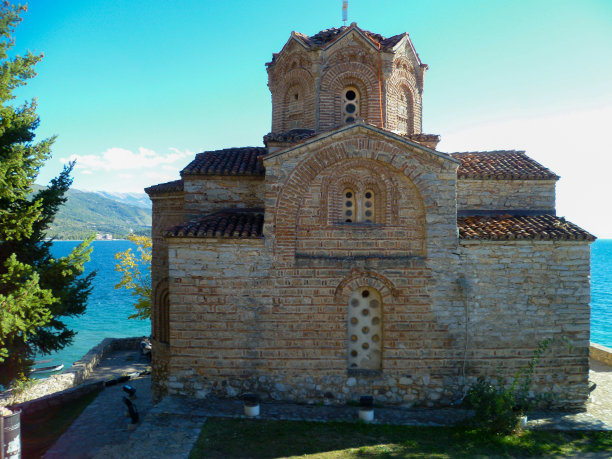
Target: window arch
{"points": [[364, 330], [359, 206], [161, 328], [405, 111], [349, 208], [350, 104], [294, 107], [368, 209]]}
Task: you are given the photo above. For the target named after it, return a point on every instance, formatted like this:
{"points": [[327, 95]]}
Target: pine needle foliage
{"points": [[36, 290]]}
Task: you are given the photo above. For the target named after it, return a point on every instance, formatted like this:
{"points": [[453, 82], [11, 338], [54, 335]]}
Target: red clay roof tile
{"points": [[501, 165], [228, 223], [168, 187], [231, 161], [508, 227]]}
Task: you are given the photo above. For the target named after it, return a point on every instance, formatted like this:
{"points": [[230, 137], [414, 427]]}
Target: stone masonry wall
{"points": [[271, 315], [168, 210], [506, 195], [239, 325], [518, 294], [260, 315], [207, 194]]}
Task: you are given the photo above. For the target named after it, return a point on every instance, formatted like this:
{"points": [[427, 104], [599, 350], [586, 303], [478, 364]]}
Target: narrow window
{"points": [[358, 206], [368, 207], [349, 208], [350, 105], [364, 330]]}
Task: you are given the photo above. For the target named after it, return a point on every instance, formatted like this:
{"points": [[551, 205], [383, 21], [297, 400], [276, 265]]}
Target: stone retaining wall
{"points": [[56, 399], [75, 376], [601, 353]]}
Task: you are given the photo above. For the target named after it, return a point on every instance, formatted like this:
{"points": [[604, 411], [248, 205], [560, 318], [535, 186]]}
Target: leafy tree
{"points": [[135, 272], [36, 290]]}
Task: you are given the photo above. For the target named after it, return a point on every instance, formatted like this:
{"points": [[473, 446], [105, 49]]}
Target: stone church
{"points": [[348, 256]]}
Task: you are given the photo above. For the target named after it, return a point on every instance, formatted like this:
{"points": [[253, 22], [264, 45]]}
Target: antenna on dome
{"points": [[344, 11]]}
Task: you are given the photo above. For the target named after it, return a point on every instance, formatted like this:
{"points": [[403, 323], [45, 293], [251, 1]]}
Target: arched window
{"points": [[350, 105], [294, 107], [404, 111], [364, 330], [358, 206], [161, 328], [349, 208], [368, 210]]}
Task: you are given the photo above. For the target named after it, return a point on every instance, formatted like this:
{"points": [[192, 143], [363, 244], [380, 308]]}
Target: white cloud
{"points": [[121, 159]]}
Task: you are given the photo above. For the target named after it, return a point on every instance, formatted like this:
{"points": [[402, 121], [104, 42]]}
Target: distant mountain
{"points": [[133, 199], [86, 212]]}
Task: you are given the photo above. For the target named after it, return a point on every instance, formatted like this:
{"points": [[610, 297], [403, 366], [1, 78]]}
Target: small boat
{"points": [[48, 369]]}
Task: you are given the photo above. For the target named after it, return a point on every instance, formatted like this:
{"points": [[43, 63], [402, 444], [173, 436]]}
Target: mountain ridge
{"points": [[87, 212]]}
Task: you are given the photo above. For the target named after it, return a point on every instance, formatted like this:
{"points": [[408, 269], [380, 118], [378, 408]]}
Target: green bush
{"points": [[498, 409], [494, 409]]}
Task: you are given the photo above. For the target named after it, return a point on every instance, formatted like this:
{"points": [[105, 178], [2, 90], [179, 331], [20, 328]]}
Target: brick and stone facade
{"points": [[349, 257]]}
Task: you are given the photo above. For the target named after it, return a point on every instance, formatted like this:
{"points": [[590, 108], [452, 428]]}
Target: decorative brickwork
{"points": [[309, 76], [348, 257]]}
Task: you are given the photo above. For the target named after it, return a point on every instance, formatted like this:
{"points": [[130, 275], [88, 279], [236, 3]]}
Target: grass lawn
{"points": [[39, 432], [227, 438]]}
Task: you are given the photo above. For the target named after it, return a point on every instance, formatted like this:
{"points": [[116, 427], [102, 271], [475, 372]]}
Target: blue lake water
{"points": [[108, 308], [601, 292]]}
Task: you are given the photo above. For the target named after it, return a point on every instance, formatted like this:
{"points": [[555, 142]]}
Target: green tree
{"points": [[135, 272], [36, 290]]}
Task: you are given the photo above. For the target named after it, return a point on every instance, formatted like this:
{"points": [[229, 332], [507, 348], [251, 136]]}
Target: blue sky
{"points": [[134, 88]]}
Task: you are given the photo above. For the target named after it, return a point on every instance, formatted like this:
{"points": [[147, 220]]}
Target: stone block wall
{"points": [[45, 388], [207, 194], [242, 324], [520, 293], [506, 195], [601, 353], [261, 315], [168, 210], [239, 324]]}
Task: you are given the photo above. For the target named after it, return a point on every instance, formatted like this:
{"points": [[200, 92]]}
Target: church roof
{"points": [[501, 165], [168, 187], [326, 36], [228, 223], [245, 161], [231, 161], [294, 135], [248, 223], [508, 227]]}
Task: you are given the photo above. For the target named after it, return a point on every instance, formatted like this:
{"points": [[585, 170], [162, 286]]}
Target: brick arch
{"points": [[359, 278], [161, 322], [363, 77], [386, 199], [400, 83], [299, 77], [290, 198]]}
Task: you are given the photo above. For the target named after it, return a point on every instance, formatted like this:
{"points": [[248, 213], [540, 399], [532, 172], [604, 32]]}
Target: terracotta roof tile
{"points": [[508, 227], [228, 223], [231, 161], [328, 35], [501, 165], [294, 135], [168, 187]]}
